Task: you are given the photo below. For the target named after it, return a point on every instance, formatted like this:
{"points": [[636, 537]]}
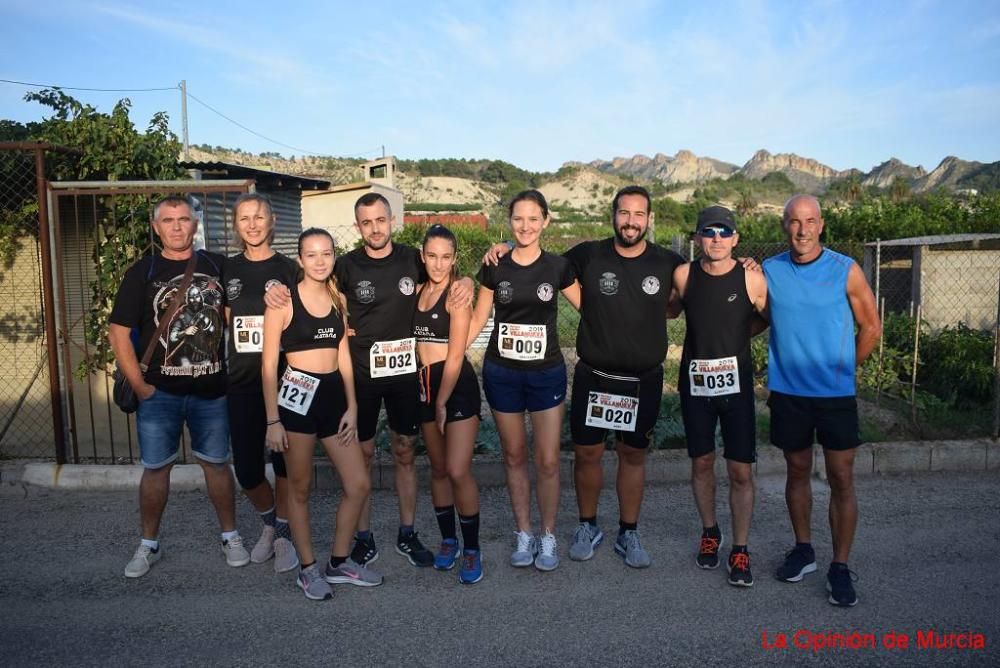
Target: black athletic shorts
{"points": [[247, 432], [325, 411], [647, 387], [464, 401], [735, 414], [797, 422], [402, 405]]}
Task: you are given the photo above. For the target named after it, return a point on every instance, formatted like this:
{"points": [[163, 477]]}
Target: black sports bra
{"points": [[307, 332], [432, 325]]}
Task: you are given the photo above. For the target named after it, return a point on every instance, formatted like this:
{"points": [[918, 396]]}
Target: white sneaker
{"points": [[547, 559], [285, 556], [264, 549], [236, 554], [140, 562], [524, 553]]}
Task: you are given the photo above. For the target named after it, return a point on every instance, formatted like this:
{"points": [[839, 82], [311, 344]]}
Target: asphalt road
{"points": [[926, 554]]}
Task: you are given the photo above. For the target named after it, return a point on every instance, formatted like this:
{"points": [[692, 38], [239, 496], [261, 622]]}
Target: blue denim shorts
{"points": [[161, 418], [517, 390]]}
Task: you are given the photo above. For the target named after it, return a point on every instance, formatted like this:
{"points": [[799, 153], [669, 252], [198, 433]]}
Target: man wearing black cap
{"points": [[722, 302]]}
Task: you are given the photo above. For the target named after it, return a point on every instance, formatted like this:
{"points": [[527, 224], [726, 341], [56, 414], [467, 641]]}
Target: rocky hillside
{"points": [[685, 167], [883, 175]]}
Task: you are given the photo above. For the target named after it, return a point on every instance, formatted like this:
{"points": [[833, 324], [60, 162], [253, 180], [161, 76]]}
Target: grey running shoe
{"points": [[629, 546], [586, 538], [312, 584], [140, 562], [285, 556], [524, 554], [548, 557], [236, 554], [352, 573], [264, 549]]}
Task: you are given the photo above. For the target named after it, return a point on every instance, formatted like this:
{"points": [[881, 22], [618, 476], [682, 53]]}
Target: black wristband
{"points": [[270, 422]]}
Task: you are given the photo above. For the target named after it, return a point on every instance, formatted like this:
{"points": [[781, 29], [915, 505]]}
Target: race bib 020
{"points": [[249, 333], [392, 358], [611, 411], [522, 342], [714, 378], [297, 391]]}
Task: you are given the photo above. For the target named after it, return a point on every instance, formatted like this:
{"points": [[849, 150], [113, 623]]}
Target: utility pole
{"points": [[383, 150], [184, 118]]}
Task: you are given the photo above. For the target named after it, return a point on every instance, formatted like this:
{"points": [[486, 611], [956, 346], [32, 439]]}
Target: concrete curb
{"points": [[662, 466]]}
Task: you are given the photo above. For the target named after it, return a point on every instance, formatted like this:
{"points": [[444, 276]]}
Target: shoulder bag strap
{"points": [[175, 303]]}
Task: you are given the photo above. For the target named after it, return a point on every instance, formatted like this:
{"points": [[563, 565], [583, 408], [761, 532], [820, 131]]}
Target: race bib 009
{"points": [[249, 333], [392, 358], [714, 378], [522, 342], [297, 391]]}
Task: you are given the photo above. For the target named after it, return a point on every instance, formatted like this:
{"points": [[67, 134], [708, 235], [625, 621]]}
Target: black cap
{"points": [[715, 215]]}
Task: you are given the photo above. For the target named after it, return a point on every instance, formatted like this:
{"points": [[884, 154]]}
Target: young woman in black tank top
{"points": [[315, 399], [449, 395]]}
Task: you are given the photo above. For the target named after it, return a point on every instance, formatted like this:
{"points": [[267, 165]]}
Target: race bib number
{"points": [[297, 391], [249, 333], [522, 342], [713, 378], [392, 358], [611, 411]]}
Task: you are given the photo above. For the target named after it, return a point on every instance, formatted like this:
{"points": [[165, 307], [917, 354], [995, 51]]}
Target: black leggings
{"points": [[247, 430]]}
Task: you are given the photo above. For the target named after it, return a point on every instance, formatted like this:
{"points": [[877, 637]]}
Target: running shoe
{"points": [[142, 560], [739, 569], [630, 547], [264, 549], [585, 539], [313, 585], [236, 554], [799, 561], [524, 554], [471, 571], [414, 551], [447, 555], [840, 583], [285, 556], [365, 551], [708, 550], [350, 572], [548, 553]]}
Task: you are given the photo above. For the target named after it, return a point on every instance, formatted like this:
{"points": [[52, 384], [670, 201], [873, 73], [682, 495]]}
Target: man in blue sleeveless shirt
{"points": [[816, 297]]}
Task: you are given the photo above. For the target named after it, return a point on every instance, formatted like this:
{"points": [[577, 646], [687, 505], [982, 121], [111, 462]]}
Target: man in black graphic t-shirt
{"points": [[185, 382]]}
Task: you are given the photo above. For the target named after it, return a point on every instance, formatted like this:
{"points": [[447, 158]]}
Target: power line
{"points": [[253, 132], [93, 90]]}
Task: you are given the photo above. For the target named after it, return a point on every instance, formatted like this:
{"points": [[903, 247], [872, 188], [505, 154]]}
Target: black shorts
{"points": [[402, 404], [647, 387], [247, 431], [464, 402], [735, 414], [325, 411], [797, 422]]}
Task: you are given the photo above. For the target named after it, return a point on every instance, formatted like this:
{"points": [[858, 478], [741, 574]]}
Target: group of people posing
{"points": [[284, 377]]}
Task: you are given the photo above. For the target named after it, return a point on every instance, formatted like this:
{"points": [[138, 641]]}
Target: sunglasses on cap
{"points": [[712, 232]]}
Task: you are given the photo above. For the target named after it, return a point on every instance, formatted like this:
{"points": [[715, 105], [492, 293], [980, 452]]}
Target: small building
{"points": [[952, 277], [333, 209], [285, 191]]}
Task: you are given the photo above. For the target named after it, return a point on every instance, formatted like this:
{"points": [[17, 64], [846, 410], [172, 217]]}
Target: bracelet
{"points": [[270, 422]]}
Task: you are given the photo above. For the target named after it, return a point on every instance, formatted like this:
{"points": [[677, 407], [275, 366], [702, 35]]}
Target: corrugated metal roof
{"points": [[937, 239], [262, 176]]}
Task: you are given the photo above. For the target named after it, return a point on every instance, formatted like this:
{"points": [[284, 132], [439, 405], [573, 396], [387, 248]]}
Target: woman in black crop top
{"points": [[524, 371], [316, 400], [449, 400]]}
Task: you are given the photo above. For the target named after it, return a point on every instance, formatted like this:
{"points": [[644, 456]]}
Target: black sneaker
{"points": [[364, 552], [739, 569], [799, 561], [708, 550], [414, 551], [840, 583]]}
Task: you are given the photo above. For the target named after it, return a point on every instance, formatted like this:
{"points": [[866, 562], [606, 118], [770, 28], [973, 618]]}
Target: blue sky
{"points": [[536, 83]]}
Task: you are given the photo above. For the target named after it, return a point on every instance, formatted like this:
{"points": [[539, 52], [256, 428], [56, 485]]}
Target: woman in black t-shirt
{"points": [[247, 276], [523, 369]]}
